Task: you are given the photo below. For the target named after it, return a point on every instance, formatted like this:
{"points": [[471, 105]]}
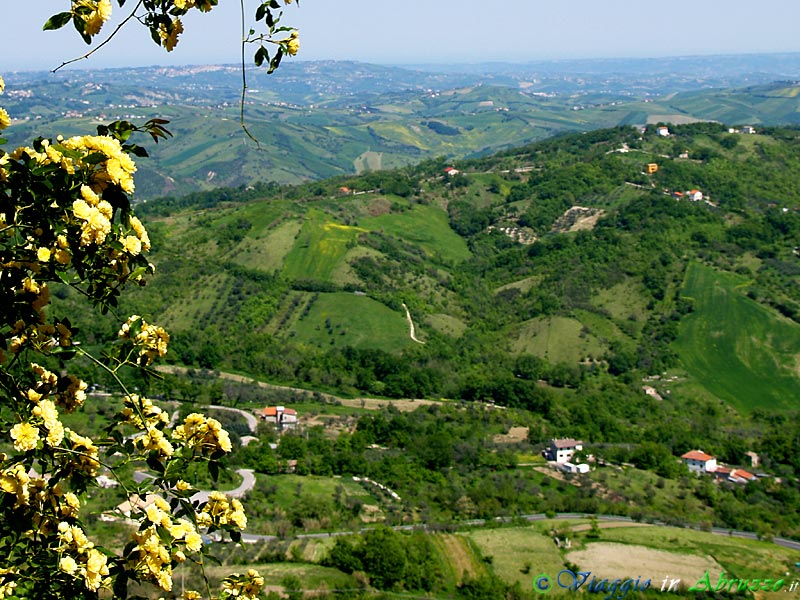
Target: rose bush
{"points": [[66, 219]]}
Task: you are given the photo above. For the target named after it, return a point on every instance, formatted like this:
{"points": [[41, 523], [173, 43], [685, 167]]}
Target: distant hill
{"points": [[320, 119], [506, 282]]}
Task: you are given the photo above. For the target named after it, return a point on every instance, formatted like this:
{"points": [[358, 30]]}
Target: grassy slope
{"points": [[740, 350]]}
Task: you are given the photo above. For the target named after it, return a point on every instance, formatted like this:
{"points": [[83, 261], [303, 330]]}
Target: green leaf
{"points": [[213, 470], [261, 11], [261, 56], [276, 60], [57, 21]]}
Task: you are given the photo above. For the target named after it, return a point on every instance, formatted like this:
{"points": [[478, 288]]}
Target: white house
{"points": [[699, 462], [695, 195], [748, 129], [562, 450], [281, 416], [663, 131]]}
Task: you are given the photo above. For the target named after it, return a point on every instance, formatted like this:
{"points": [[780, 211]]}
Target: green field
{"points": [[319, 248], [743, 352], [426, 226], [346, 319], [557, 339]]}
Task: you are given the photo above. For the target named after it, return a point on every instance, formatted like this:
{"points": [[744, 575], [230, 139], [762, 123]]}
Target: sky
{"points": [[428, 31]]}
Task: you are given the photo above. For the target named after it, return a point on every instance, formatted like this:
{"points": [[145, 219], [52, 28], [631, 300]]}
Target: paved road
{"points": [[791, 544], [252, 421], [248, 483]]}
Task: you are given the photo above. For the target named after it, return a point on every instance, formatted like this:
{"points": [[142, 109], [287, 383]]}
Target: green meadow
{"points": [[743, 352], [426, 226], [319, 248], [347, 319]]}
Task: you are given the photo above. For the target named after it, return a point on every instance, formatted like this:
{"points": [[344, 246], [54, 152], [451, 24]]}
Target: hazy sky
{"points": [[413, 31]]}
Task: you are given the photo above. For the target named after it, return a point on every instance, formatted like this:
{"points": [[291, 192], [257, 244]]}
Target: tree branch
{"points": [[104, 42]]}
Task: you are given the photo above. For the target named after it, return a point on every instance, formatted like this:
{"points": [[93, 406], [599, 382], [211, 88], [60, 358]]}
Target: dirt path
{"points": [[412, 331]]}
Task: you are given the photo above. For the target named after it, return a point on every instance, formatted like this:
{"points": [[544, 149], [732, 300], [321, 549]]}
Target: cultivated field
{"points": [[742, 351]]}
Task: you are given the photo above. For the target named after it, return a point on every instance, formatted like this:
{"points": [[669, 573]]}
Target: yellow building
{"points": [[652, 168]]}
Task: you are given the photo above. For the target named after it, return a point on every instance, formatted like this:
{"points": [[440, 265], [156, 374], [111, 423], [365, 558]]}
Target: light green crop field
{"points": [[319, 248], [558, 339], [512, 548], [426, 226], [743, 352], [345, 319]]}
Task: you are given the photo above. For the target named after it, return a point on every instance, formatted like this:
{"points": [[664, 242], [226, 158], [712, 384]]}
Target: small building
{"points": [[753, 458], [695, 195], [741, 476], [281, 416], [562, 450], [652, 168], [580, 468], [663, 131], [451, 171], [699, 462], [748, 129]]}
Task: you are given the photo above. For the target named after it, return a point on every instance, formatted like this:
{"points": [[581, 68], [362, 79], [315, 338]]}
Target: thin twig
{"points": [[244, 81], [104, 42]]}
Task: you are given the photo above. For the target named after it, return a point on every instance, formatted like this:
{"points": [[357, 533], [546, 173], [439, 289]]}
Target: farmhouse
{"points": [[281, 416], [663, 131], [451, 171], [699, 462], [562, 450]]}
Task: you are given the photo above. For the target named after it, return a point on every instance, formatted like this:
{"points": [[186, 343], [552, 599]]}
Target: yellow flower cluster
{"points": [[169, 34], [219, 511], [118, 168], [201, 5], [85, 453], [243, 587], [142, 413], [99, 11], [96, 216], [5, 120], [79, 556], [151, 340], [7, 584], [292, 43], [153, 556], [204, 433], [15, 480]]}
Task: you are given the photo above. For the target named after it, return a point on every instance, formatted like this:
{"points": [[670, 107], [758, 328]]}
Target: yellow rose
{"points": [[292, 43], [5, 120], [25, 436]]}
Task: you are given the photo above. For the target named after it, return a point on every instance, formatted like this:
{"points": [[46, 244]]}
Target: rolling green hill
{"points": [[318, 120], [561, 263]]}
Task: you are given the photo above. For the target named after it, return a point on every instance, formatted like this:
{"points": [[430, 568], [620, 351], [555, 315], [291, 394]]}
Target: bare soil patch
{"points": [[611, 560], [514, 436]]}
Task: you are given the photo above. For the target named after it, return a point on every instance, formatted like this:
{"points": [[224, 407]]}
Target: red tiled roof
{"points": [[742, 474], [697, 455]]}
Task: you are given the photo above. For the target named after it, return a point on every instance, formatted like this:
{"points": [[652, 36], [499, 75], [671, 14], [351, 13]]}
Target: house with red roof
{"points": [[699, 462], [281, 416]]}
